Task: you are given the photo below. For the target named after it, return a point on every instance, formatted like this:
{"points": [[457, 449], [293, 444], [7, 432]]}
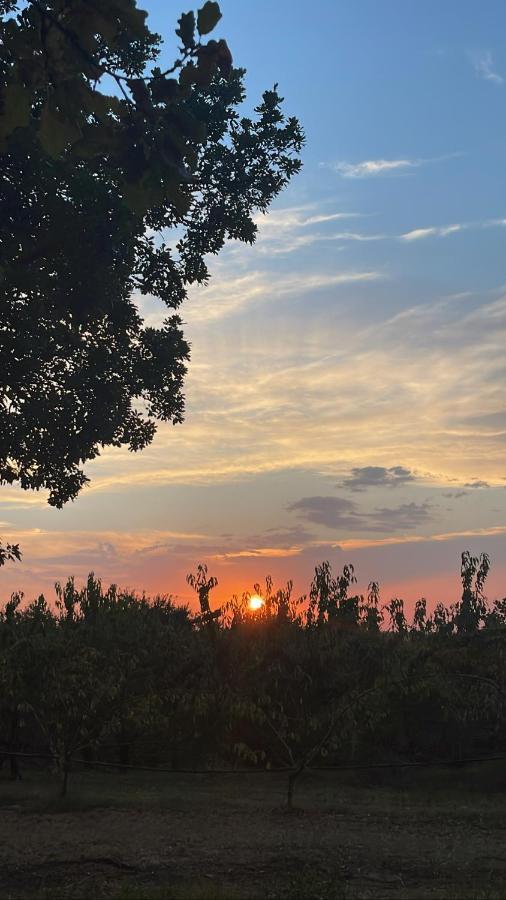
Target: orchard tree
{"points": [[20, 632], [473, 606], [203, 586], [117, 179], [299, 695], [75, 703]]}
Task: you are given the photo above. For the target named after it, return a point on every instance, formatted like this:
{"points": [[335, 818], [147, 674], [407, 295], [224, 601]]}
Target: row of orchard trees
{"points": [[105, 675]]}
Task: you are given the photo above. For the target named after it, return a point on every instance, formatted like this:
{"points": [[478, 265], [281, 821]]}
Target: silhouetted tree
{"points": [[203, 586], [105, 196], [472, 608], [113, 676]]}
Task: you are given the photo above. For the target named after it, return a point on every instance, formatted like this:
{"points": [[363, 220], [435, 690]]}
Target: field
{"points": [[423, 835]]}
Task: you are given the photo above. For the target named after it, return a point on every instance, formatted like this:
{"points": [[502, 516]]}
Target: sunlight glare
{"points": [[255, 602]]}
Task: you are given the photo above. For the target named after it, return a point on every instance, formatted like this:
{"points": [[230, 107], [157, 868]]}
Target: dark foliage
{"points": [[116, 181], [110, 676]]}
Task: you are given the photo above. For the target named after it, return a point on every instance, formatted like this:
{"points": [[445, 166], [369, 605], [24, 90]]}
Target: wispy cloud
{"points": [[289, 230], [444, 230], [372, 167], [299, 395], [285, 230], [236, 294], [259, 553], [13, 498], [297, 217], [434, 231], [484, 67], [358, 543]]}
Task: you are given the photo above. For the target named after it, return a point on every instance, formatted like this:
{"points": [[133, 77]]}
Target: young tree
{"points": [[73, 695], [298, 694], [395, 609], [473, 607], [202, 585], [329, 599], [116, 180], [11, 681], [371, 615]]}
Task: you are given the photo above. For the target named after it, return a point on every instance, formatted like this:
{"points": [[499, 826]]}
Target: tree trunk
{"points": [[15, 774], [294, 774], [66, 770], [289, 796], [124, 750], [292, 778]]}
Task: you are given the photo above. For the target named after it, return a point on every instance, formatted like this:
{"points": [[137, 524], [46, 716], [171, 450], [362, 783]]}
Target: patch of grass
{"points": [[150, 836], [310, 884], [196, 890]]}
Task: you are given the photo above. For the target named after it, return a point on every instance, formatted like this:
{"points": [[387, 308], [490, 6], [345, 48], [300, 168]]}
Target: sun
{"points": [[255, 602]]}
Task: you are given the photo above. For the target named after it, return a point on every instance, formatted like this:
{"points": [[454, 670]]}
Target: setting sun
{"points": [[255, 602]]}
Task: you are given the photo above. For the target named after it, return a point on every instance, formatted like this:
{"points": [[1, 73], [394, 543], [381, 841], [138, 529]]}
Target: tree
{"points": [[328, 596], [20, 631], [75, 703], [395, 609], [203, 586], [472, 608], [105, 675], [117, 179], [303, 691]]}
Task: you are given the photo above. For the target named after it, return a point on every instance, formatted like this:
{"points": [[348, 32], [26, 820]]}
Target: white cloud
{"points": [[484, 67], [283, 231], [357, 236], [375, 167], [435, 231], [297, 217], [320, 393], [444, 230], [493, 223], [324, 217], [227, 297]]}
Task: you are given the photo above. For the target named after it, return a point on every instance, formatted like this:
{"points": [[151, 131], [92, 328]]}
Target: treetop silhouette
{"points": [[117, 179]]}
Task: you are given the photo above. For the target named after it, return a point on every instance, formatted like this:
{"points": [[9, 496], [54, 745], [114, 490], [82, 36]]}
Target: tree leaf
{"points": [[208, 17], [188, 76], [16, 108], [132, 17], [165, 90], [224, 59], [102, 105], [186, 30], [55, 131]]}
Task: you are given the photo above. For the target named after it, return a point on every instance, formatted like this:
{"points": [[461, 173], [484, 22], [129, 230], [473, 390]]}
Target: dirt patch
{"points": [[236, 839]]}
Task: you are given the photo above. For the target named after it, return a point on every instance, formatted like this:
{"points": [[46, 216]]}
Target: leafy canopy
{"points": [[116, 180]]}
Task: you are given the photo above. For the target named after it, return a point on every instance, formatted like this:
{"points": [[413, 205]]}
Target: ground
{"points": [[394, 835]]}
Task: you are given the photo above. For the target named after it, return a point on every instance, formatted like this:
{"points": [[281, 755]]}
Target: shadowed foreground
{"points": [[434, 834]]}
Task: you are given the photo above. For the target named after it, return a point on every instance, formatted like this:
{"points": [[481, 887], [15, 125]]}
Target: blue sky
{"points": [[346, 390]]}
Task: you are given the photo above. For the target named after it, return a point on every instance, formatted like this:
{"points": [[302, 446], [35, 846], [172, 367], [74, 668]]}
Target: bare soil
{"points": [[231, 836]]}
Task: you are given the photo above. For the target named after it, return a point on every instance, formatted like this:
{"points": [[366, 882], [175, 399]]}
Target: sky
{"points": [[345, 396]]}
